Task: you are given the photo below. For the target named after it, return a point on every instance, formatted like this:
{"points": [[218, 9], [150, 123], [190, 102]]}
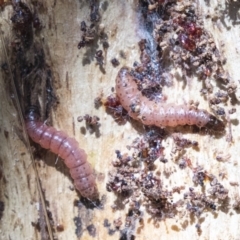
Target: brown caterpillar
{"points": [[161, 115], [67, 148]]}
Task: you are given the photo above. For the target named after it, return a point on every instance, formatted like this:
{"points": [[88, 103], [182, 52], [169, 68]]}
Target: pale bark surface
{"points": [[77, 82]]}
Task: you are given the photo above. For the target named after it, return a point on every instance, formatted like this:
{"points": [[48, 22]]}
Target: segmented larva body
{"points": [[148, 112], [68, 149]]}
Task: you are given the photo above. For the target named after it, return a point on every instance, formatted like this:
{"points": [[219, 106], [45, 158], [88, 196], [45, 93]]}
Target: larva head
{"points": [[91, 193], [215, 124], [32, 113]]}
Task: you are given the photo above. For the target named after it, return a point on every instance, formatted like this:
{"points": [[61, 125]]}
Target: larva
{"points": [[161, 115], [67, 148]]}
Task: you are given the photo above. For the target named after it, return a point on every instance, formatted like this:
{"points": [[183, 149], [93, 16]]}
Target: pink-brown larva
{"points": [[148, 112], [68, 149]]}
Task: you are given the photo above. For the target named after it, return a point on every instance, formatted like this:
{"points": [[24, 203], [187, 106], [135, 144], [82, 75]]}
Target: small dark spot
{"points": [[106, 223], [126, 236], [220, 111], [175, 228], [91, 230], [6, 134], [163, 160], [105, 44], [83, 130], [115, 62], [104, 5], [36, 225], [99, 57], [60, 228], [78, 224], [76, 203], [83, 26], [98, 102], [111, 231], [4, 67], [122, 54], [80, 118], [1, 209]]}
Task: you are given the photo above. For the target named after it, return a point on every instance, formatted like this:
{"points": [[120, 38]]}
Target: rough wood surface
{"points": [[78, 80]]}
